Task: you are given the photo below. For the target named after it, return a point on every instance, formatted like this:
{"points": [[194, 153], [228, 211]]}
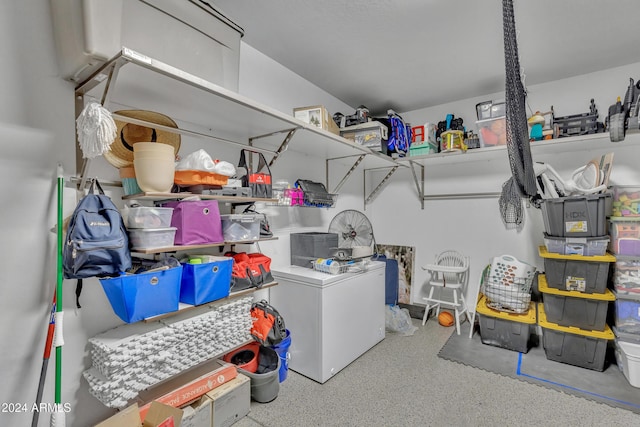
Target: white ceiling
{"points": [[410, 54]]}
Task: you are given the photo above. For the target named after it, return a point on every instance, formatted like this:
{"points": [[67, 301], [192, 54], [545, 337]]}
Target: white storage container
{"points": [[148, 217], [586, 246], [370, 134], [241, 227], [151, 238], [628, 359], [188, 34]]}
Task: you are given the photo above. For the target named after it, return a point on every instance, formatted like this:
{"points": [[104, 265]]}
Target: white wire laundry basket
{"points": [[507, 284]]}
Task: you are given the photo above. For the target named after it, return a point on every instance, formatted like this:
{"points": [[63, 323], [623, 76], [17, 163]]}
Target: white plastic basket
{"points": [[507, 269], [507, 284]]}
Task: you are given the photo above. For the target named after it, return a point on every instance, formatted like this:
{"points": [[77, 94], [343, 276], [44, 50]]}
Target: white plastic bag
{"points": [[224, 168], [200, 160], [398, 320]]}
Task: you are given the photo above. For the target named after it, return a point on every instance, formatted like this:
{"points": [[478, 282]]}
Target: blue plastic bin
{"points": [[135, 297], [283, 352], [203, 283]]}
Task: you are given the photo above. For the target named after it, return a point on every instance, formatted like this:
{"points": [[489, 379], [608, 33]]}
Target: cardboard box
{"points": [[317, 115], [178, 393], [197, 414], [231, 401], [156, 416], [161, 415]]}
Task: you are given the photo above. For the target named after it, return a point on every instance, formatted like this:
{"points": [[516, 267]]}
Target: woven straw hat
{"points": [[121, 153]]}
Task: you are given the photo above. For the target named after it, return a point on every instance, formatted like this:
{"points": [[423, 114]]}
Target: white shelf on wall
{"points": [[555, 146], [131, 78], [599, 142]]}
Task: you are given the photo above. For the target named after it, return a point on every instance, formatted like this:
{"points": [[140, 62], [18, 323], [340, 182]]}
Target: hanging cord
{"points": [[96, 130], [522, 181]]}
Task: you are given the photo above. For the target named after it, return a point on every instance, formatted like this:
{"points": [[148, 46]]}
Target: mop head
{"points": [[96, 130]]}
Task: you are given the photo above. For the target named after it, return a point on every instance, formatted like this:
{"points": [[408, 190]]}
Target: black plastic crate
{"points": [[578, 124]]}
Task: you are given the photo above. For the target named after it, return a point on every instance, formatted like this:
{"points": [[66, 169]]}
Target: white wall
{"points": [[37, 132], [35, 135], [474, 226]]}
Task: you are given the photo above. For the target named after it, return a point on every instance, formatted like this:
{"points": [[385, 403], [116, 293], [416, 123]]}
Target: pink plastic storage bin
{"points": [[198, 222]]}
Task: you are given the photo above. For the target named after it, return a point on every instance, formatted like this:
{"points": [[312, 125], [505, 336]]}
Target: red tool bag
{"points": [[258, 176], [249, 270], [268, 325]]}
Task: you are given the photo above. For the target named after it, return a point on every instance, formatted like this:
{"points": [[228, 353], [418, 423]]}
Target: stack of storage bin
{"points": [[506, 314], [149, 227], [575, 298], [624, 228]]}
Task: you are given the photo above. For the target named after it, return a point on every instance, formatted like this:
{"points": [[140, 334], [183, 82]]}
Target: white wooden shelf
{"points": [[132, 78], [553, 146], [166, 249], [184, 195]]}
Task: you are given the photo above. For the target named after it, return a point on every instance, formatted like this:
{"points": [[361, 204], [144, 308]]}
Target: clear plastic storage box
{"points": [[626, 275], [587, 246], [625, 236], [492, 131], [241, 227], [626, 201], [148, 217], [627, 313], [370, 134], [151, 238]]}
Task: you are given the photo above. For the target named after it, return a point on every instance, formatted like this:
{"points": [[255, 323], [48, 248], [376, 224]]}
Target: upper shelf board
{"points": [[145, 83]]}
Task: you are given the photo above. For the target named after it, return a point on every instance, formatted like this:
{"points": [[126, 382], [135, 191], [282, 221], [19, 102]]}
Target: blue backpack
{"points": [[399, 135], [96, 244]]}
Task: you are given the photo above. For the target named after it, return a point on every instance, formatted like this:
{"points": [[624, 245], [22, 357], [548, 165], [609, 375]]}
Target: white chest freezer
{"points": [[333, 319]]}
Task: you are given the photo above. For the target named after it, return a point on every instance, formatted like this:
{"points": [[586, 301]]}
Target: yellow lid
{"points": [[542, 251], [607, 334], [528, 317], [543, 286]]}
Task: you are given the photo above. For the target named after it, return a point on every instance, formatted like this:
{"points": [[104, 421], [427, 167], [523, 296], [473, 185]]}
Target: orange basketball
{"points": [[446, 319]]}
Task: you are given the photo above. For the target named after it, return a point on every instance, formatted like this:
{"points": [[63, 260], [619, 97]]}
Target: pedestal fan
{"points": [[354, 232]]}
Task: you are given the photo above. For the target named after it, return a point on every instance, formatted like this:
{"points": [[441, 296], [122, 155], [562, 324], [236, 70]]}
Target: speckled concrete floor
{"points": [[403, 382]]}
